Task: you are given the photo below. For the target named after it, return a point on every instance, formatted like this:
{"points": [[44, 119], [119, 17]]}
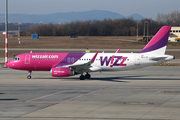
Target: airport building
{"points": [[174, 34]]}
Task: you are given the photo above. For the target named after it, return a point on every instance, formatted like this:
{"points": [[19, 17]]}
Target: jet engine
{"points": [[62, 72]]}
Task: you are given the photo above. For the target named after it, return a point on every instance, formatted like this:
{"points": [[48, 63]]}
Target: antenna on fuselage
{"points": [[30, 51]]}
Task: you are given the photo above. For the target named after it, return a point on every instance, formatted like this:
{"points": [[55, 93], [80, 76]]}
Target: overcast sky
{"points": [[146, 8]]}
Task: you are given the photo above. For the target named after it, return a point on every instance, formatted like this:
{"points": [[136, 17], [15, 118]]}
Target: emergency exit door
{"points": [[137, 60]]}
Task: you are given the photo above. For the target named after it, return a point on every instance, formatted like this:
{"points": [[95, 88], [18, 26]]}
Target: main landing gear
{"points": [[83, 77], [29, 75]]}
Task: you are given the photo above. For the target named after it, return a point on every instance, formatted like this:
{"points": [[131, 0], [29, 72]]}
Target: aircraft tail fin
{"points": [[159, 42]]}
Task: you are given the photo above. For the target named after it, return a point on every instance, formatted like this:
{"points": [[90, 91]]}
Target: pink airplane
{"points": [[70, 64]]}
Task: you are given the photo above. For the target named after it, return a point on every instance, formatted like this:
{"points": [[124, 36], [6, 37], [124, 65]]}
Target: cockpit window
{"points": [[16, 58]]}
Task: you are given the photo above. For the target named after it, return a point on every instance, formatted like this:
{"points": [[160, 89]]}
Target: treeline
{"points": [[172, 19], [14, 26], [106, 27]]}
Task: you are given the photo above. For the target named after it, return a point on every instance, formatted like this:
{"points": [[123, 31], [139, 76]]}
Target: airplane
{"points": [[70, 64]]}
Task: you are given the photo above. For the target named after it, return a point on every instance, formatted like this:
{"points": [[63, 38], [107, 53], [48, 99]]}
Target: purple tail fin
{"points": [[159, 41]]}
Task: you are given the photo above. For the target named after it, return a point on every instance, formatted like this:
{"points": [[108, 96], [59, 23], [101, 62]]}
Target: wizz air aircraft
{"points": [[70, 64]]}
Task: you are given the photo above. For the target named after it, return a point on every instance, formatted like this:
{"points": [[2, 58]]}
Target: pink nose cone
{"points": [[9, 64]]}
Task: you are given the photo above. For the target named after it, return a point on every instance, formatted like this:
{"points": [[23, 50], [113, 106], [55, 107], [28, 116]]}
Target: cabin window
{"points": [[16, 58]]}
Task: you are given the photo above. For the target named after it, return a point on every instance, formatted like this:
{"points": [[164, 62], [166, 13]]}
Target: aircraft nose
{"points": [[9, 64]]}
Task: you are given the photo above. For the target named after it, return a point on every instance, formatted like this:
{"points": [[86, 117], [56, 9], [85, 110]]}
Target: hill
{"points": [[66, 17]]}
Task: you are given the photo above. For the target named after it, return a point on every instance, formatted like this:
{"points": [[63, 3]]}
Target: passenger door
{"points": [[27, 59]]}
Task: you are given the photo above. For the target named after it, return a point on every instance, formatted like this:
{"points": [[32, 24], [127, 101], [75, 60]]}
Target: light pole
{"points": [[137, 31], [6, 35], [147, 29], [19, 32]]}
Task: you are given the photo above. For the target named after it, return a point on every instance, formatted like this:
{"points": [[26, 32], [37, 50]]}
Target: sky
{"points": [[146, 8]]}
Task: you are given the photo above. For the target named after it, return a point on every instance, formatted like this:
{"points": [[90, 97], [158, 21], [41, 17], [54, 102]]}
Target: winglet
{"points": [[118, 50], [93, 59]]}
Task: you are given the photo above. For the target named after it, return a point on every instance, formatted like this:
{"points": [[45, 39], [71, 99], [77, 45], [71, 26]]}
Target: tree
{"points": [[172, 19], [106, 27]]}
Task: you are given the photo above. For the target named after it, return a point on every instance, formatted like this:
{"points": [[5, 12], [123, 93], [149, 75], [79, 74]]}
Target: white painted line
{"points": [[158, 92], [43, 96], [81, 96]]}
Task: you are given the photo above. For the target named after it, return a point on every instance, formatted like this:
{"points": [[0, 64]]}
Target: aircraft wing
{"points": [[81, 65]]}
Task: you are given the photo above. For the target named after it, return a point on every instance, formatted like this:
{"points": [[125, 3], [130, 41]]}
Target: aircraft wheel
{"points": [[28, 77], [82, 77], [87, 76]]}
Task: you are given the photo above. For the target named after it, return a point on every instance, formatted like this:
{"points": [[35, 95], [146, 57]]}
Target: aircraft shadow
{"points": [[110, 79], [113, 79], [9, 99], [122, 79]]}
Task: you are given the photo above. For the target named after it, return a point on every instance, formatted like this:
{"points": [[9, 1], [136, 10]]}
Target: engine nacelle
{"points": [[62, 72]]}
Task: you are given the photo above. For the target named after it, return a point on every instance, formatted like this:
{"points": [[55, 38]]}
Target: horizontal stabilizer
{"points": [[156, 58]]}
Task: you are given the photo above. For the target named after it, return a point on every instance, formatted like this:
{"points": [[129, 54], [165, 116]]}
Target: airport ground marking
{"points": [[157, 92], [43, 96], [81, 95], [61, 92]]}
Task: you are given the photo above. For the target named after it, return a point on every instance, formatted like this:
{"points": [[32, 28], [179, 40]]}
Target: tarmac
{"points": [[151, 93]]}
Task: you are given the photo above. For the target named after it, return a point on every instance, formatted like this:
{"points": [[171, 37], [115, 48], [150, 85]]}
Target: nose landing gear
{"points": [[29, 75]]}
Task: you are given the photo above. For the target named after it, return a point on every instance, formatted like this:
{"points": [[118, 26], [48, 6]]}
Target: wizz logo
{"points": [[113, 61]]}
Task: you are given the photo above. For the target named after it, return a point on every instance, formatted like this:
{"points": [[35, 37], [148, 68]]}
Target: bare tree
{"points": [[172, 19]]}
